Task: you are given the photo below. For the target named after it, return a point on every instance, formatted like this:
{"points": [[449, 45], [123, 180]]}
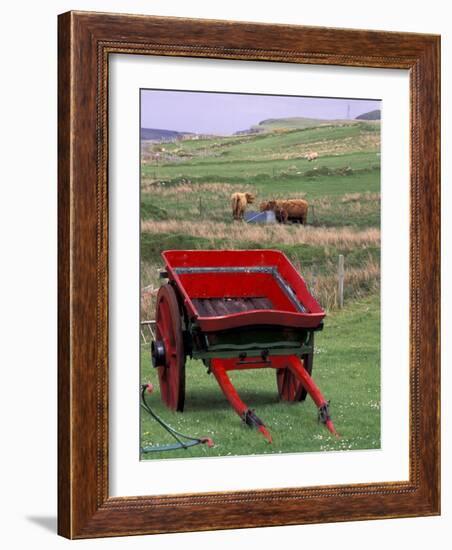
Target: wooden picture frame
{"points": [[85, 42]]}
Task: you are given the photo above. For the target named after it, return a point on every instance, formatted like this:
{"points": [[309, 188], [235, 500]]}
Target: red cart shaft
{"points": [[247, 415], [310, 386], [219, 368]]}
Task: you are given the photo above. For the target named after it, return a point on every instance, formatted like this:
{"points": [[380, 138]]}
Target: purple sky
{"points": [[224, 114]]}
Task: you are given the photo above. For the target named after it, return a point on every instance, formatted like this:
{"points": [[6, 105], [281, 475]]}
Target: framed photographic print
{"points": [[248, 275]]}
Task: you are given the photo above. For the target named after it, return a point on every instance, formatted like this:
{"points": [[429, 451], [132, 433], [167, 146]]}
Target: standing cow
{"points": [[294, 210], [239, 202], [280, 213], [312, 155]]}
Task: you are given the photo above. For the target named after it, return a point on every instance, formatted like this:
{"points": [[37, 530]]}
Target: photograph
{"points": [[248, 326], [260, 316]]}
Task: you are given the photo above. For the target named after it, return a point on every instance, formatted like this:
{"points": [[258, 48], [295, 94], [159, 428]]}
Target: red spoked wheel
{"points": [[171, 365], [289, 387]]}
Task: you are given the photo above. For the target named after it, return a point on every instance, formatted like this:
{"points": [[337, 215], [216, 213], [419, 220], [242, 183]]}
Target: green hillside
{"points": [[186, 188], [296, 123]]}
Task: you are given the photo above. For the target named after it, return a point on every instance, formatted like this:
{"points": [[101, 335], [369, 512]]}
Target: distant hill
{"points": [[158, 134], [371, 115], [292, 123]]}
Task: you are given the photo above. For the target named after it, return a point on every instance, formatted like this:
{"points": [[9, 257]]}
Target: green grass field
{"points": [[346, 368], [186, 187]]}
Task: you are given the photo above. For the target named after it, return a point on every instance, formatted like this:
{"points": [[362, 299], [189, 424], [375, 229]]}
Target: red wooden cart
{"points": [[235, 310]]}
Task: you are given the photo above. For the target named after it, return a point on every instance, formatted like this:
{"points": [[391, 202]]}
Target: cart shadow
{"points": [[208, 400]]}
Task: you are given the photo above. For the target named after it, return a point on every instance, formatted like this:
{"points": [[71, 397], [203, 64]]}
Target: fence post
{"points": [[313, 282], [313, 220], [340, 273]]}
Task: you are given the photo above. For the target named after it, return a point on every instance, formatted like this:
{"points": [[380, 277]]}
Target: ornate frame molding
{"points": [[85, 42]]}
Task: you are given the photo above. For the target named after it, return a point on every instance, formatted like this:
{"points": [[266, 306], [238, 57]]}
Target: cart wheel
{"points": [[169, 331], [289, 387]]}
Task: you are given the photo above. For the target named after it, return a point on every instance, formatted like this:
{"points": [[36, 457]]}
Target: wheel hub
{"points": [[158, 353]]}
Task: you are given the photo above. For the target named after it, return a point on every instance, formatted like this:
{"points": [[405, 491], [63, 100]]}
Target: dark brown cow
{"points": [[295, 210]]}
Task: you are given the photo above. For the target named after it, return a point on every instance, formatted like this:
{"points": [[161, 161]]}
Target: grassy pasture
{"points": [[241, 169], [346, 368], [185, 203], [328, 204]]}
